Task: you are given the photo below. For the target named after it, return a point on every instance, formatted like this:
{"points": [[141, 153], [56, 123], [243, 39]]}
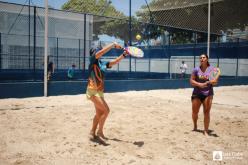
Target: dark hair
{"points": [[95, 49], [92, 51], [206, 57], [99, 47]]}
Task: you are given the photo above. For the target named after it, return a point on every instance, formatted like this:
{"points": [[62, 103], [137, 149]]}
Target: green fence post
{"points": [[57, 52], [84, 41], [0, 51], [237, 61], [169, 44], [79, 54], [34, 47]]}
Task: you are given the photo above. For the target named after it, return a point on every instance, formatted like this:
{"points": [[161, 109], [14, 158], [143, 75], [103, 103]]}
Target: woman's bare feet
{"points": [[195, 128], [100, 134], [205, 133], [92, 135]]}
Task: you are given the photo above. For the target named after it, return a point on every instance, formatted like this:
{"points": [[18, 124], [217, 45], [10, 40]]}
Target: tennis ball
{"points": [[138, 37]]}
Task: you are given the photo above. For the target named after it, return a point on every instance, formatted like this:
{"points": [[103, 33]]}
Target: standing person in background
{"points": [[223, 36], [203, 92], [183, 68], [71, 71], [95, 87], [50, 70]]}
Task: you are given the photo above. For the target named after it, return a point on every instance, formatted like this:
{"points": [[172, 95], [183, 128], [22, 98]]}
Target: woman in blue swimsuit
{"points": [[203, 91]]}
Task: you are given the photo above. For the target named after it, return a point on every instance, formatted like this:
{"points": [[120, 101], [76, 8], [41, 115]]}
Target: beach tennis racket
{"points": [[134, 51], [214, 74]]}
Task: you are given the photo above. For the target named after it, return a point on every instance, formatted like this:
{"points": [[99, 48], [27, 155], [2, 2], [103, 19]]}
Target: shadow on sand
{"points": [[210, 132], [137, 143], [100, 141]]}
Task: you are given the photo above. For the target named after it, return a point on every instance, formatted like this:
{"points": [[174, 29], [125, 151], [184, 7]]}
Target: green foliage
{"points": [[113, 27], [119, 28], [97, 7]]}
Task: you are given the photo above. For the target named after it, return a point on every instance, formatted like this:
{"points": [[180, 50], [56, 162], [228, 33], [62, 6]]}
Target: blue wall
{"points": [[218, 50], [34, 89]]}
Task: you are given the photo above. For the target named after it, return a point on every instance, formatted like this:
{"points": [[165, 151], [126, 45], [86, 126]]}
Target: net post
{"points": [[0, 51], [45, 48], [34, 46], [29, 35], [237, 60], [169, 53], [84, 40], [209, 12], [57, 52], [79, 53], [130, 32]]}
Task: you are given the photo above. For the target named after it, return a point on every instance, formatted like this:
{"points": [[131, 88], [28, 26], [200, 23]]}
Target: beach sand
{"points": [[144, 127]]}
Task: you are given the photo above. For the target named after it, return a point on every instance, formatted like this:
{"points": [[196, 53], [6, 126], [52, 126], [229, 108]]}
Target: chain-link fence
{"points": [[171, 32]]}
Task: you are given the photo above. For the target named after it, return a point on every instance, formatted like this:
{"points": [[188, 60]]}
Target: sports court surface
{"points": [[144, 127]]}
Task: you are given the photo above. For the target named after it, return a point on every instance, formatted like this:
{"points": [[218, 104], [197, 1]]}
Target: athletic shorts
{"points": [[92, 92], [201, 97]]}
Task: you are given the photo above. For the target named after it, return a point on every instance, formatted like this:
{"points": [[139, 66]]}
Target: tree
{"points": [[112, 26], [115, 23], [96, 7]]}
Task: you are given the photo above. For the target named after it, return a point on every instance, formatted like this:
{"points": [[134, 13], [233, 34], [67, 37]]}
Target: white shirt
{"points": [[183, 68]]}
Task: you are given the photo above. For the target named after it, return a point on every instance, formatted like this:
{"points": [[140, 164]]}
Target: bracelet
{"points": [[124, 55]]}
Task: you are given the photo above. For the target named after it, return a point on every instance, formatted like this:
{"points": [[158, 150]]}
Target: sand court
{"points": [[143, 127]]}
